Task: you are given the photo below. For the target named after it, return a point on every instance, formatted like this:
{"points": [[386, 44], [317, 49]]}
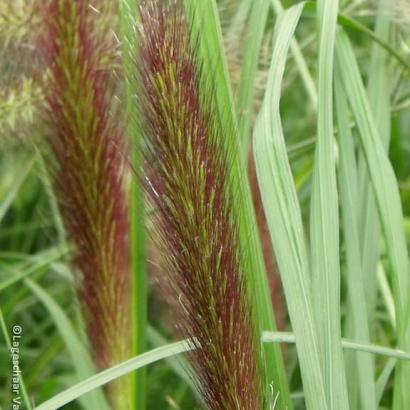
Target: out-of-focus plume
{"points": [[402, 13], [19, 93], [86, 139]]}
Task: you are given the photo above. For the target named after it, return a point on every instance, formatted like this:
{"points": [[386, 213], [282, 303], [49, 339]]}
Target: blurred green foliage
{"points": [[30, 224]]}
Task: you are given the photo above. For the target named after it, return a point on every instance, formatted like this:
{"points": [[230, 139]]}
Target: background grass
{"points": [[357, 162]]}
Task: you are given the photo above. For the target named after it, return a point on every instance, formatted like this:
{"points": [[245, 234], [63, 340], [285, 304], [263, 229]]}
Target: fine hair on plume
{"points": [[186, 177], [86, 137]]}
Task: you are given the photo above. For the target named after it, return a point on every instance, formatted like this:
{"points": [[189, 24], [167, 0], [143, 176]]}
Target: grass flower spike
{"points": [[187, 181], [89, 174]]}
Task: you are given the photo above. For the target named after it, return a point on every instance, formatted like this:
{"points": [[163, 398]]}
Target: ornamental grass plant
{"points": [[205, 204]]}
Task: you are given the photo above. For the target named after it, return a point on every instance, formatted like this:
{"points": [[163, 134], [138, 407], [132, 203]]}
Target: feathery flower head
{"points": [[89, 171], [187, 181], [402, 13]]}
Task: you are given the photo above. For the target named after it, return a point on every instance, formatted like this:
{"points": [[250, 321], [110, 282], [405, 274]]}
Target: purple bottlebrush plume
{"points": [[187, 181], [86, 138]]}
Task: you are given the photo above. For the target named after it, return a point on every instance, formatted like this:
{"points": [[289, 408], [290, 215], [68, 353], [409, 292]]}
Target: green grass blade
{"points": [[300, 61], [355, 277], [350, 23], [379, 88], [256, 27], [47, 181], [252, 47], [354, 25], [288, 337], [113, 373], [44, 360], [41, 261], [388, 201], [173, 349], [8, 199], [386, 294], [205, 24], [369, 226], [179, 365], [284, 216], [384, 378], [324, 221], [80, 358], [139, 289], [206, 29]]}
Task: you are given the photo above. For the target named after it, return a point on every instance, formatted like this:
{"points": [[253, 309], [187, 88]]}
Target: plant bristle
{"points": [[86, 139], [187, 182]]}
